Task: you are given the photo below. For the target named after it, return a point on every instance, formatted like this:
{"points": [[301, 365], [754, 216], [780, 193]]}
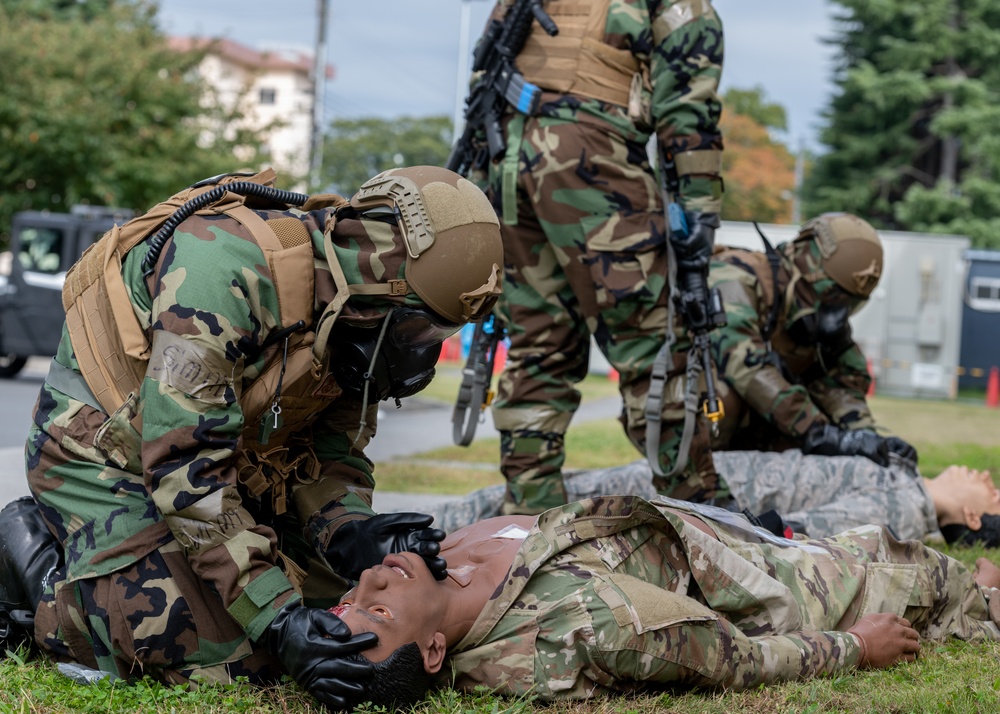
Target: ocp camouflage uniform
{"points": [[619, 594], [584, 240], [771, 406], [823, 494], [171, 561]]}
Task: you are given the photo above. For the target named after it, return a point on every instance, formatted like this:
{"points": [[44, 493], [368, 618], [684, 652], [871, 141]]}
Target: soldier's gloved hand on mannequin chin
{"points": [[311, 645], [829, 440], [363, 543]]}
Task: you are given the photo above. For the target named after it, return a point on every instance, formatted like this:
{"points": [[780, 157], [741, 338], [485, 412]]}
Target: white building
{"points": [[273, 85]]}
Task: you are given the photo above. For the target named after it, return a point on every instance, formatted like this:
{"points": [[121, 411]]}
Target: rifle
{"points": [[500, 85], [702, 311], [476, 377]]}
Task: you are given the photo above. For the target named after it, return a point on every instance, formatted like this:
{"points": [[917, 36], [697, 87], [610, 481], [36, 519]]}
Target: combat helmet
{"points": [[451, 234], [843, 248], [423, 237]]}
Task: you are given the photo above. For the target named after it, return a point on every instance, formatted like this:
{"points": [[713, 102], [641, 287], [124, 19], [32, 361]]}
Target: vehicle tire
{"points": [[11, 364]]}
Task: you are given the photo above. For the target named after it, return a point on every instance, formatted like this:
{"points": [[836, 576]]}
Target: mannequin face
{"points": [[971, 491], [399, 600]]}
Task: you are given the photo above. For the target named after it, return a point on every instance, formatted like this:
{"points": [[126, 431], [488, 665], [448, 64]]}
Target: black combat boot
{"points": [[29, 555]]}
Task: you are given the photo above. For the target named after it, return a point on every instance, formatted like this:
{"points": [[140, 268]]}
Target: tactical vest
{"points": [[578, 61], [112, 347]]}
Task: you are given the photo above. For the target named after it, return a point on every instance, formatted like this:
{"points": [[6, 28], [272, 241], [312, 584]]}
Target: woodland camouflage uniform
{"points": [[771, 406], [619, 594], [172, 563], [584, 239]]}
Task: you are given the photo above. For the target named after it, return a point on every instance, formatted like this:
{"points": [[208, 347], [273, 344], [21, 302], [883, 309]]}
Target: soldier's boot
{"points": [[29, 555]]}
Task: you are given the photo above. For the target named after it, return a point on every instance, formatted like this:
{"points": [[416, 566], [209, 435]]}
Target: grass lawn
{"points": [[948, 677]]}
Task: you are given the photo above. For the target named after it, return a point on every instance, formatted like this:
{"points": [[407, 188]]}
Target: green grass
{"points": [[948, 677]]}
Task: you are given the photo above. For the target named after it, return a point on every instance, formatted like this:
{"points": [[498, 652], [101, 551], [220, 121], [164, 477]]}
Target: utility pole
{"points": [[462, 79], [319, 93]]}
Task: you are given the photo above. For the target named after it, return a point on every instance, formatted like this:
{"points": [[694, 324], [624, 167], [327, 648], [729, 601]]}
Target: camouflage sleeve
{"points": [[740, 354], [719, 655], [346, 480], [685, 70], [841, 392], [209, 311]]}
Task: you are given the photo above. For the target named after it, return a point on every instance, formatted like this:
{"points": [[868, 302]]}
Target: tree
{"points": [[354, 150], [759, 172], [914, 129], [98, 110], [751, 103]]}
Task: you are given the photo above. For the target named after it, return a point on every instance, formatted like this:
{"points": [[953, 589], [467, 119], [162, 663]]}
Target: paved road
{"points": [[417, 427]]}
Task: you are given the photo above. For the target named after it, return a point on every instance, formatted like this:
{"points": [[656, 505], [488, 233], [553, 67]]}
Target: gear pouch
{"points": [[118, 438]]}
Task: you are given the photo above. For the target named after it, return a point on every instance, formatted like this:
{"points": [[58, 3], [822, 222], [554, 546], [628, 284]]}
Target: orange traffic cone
{"points": [[993, 388], [613, 374], [871, 373]]}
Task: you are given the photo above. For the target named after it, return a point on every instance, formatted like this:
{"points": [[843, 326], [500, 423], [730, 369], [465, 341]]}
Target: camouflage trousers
{"points": [[834, 581], [154, 618], [585, 255]]}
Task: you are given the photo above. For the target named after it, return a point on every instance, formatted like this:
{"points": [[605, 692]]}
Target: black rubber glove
{"points": [[903, 448], [828, 440], [694, 250], [311, 645], [361, 544]]}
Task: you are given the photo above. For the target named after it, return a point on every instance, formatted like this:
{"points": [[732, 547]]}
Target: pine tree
{"points": [[913, 131]]}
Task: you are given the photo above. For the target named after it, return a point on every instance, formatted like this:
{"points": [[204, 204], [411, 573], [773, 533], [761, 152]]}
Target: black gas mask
{"points": [[393, 359], [828, 327]]}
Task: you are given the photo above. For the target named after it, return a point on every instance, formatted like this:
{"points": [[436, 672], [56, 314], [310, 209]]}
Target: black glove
{"points": [[694, 250], [311, 644], [829, 440], [361, 544], [904, 449]]}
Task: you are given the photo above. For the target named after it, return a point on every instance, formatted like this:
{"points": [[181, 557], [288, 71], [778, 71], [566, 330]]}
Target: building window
{"points": [[268, 95], [984, 294]]}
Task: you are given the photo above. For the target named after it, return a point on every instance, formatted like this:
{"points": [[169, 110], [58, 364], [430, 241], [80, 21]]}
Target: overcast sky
{"points": [[402, 57]]}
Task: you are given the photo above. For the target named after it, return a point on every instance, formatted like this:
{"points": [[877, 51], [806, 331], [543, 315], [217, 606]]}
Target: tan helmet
{"points": [[850, 252], [452, 237]]}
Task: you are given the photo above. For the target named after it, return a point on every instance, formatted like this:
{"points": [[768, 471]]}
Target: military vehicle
{"points": [[43, 246]]}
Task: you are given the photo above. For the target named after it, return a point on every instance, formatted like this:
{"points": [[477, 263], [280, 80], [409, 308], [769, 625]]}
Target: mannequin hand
{"points": [[886, 639]]}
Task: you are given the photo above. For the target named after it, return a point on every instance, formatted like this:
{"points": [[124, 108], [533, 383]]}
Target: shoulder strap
{"points": [[111, 346]]}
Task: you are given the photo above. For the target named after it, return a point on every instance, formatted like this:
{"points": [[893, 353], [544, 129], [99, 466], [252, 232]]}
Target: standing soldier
{"points": [[583, 226], [197, 449], [791, 376]]}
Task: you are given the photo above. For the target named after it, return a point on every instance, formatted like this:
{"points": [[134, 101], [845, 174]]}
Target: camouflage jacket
{"points": [[618, 594], [679, 48], [612, 593], [788, 398], [212, 314]]}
